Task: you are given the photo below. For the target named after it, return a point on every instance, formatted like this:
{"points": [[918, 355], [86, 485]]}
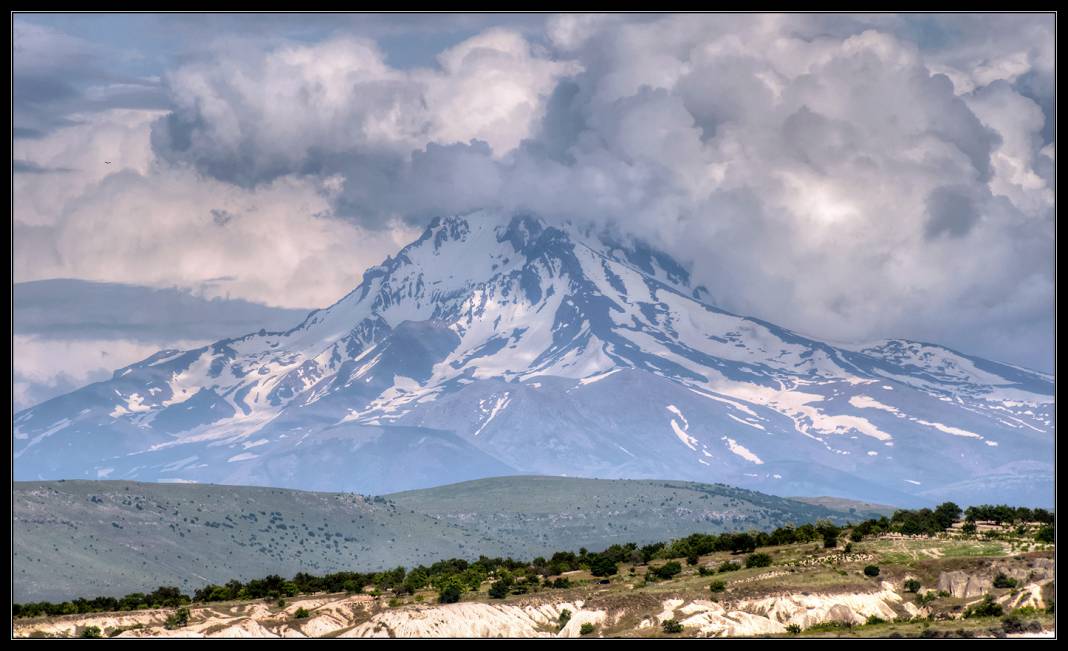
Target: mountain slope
{"points": [[117, 537], [495, 346]]}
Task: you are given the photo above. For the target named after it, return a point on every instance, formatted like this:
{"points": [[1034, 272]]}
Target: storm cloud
{"points": [[851, 177]]}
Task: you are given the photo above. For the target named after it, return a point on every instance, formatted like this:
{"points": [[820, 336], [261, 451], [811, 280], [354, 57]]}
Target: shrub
{"points": [[564, 618], [856, 536], [1002, 581], [302, 613], [912, 585], [602, 565], [793, 629], [450, 592], [586, 629], [758, 560], [871, 570], [672, 626], [874, 619], [1012, 624], [281, 603], [1045, 534], [926, 598], [179, 619], [728, 566], [848, 547], [692, 559], [968, 528], [668, 570], [499, 589], [705, 571], [718, 586], [92, 632], [561, 582], [985, 608]]}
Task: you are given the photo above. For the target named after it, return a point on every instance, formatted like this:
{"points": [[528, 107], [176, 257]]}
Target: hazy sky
{"points": [[850, 177]]}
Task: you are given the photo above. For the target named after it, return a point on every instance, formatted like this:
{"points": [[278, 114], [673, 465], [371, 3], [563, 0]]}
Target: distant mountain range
{"points": [[502, 345]]}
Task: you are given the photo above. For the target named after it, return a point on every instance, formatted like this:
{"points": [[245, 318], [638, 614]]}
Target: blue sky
{"points": [[853, 177]]}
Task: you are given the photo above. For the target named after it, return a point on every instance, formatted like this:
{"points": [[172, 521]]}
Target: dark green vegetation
{"points": [[932, 521], [453, 577], [117, 537]]}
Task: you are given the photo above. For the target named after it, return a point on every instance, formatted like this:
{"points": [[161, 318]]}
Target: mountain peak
{"points": [[499, 343]]}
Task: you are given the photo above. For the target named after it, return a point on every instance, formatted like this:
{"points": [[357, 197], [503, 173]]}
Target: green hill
{"points": [[117, 537]]}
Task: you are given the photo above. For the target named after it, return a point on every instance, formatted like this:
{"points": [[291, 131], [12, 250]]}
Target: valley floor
{"points": [[806, 591]]}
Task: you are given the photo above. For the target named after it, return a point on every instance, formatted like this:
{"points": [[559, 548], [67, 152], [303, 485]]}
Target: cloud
{"points": [[849, 176], [44, 368]]}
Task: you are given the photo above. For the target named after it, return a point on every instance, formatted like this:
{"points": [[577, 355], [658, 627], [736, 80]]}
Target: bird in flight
{"points": [[107, 162]]}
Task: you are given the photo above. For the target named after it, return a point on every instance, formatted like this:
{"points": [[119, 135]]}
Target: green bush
{"points": [[499, 589], [672, 626], [912, 585], [449, 592], [718, 586], [668, 570], [586, 629], [1002, 581], [603, 565], [179, 619], [92, 632], [985, 608], [728, 566], [705, 571], [1045, 534], [874, 619], [302, 613], [793, 629], [758, 560], [564, 618], [871, 570]]}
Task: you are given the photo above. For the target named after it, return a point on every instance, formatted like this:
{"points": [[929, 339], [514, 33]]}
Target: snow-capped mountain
{"points": [[494, 346]]}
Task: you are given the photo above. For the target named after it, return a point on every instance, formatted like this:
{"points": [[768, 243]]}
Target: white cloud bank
{"points": [[849, 177]]}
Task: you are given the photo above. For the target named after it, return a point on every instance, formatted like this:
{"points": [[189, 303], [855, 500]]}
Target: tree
{"points": [[947, 513], [968, 528], [450, 591], [499, 589], [1045, 534], [602, 565]]}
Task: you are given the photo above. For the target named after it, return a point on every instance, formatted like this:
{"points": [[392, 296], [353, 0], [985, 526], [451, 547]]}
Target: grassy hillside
{"points": [[117, 537]]}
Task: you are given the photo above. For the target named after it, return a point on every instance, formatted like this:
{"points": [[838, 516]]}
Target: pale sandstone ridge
{"points": [[364, 616]]}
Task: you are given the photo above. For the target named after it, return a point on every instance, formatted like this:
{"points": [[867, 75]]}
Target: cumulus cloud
{"points": [[851, 177]]}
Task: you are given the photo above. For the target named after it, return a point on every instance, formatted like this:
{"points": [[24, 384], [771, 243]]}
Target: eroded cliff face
{"points": [[1031, 574], [760, 607], [363, 616]]}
